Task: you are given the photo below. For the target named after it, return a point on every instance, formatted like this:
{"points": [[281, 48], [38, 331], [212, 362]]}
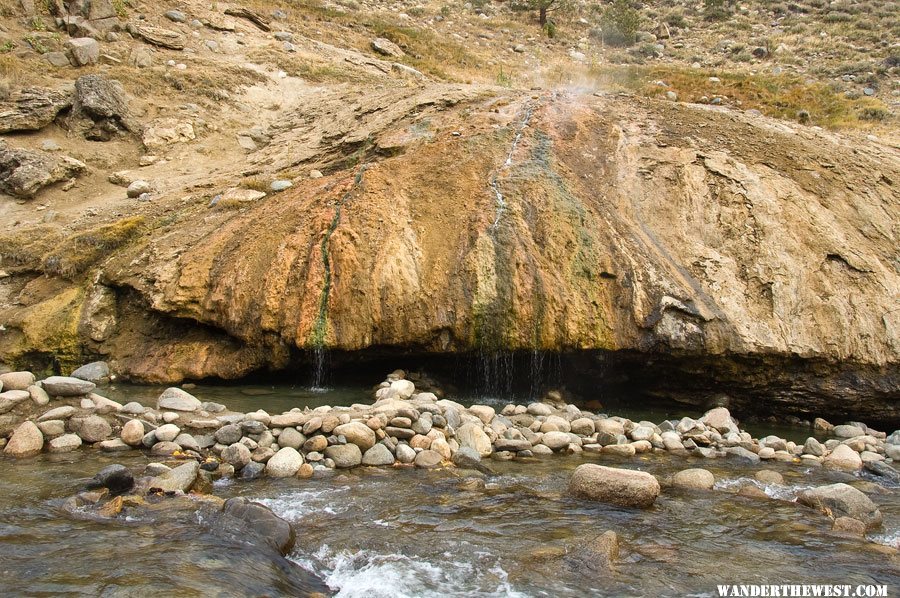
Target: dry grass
{"points": [[256, 184], [78, 253], [26, 249], [785, 96]]}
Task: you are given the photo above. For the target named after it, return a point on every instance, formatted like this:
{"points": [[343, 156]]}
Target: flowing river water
{"points": [[410, 532]]}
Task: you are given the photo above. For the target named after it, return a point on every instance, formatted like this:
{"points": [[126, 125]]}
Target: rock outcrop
{"points": [[553, 222]]}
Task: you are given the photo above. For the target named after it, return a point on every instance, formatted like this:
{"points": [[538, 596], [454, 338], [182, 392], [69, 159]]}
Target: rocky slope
{"points": [[434, 217]]}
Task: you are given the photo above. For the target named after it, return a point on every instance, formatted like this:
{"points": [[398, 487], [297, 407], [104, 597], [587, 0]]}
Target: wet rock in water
{"points": [[841, 500], [115, 478], [696, 479], [767, 476], [96, 372], [752, 491], [26, 441], [176, 399], [132, 432], [263, 522], [623, 487], [884, 470], [284, 463], [428, 459], [596, 555], [91, 429], [179, 479], [66, 386], [16, 380], [473, 436], [252, 470], [65, 443], [378, 455], [344, 456], [850, 526], [843, 458], [237, 455], [357, 433]]}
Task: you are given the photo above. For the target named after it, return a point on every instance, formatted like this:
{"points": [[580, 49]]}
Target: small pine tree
{"points": [[619, 23]]}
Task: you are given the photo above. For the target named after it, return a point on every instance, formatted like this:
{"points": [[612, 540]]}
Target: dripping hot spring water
{"points": [[406, 490]]}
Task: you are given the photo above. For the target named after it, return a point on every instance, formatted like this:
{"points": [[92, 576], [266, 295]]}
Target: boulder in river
{"points": [[262, 522], [472, 436], [623, 487], [378, 455], [841, 500], [695, 479]]}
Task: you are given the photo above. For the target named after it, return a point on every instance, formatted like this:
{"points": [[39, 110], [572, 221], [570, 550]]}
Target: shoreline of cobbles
{"points": [[199, 442]]}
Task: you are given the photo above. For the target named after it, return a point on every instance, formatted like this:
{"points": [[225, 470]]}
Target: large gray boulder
{"points": [[841, 500], [83, 51], [66, 386], [175, 399], [33, 108], [623, 487], [100, 108], [96, 372]]}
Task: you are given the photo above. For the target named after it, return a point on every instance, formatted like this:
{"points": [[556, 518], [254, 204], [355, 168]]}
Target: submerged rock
{"points": [[623, 487], [115, 478]]}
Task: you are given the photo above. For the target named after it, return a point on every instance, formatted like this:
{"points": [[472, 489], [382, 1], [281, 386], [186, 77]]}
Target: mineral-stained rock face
{"points": [[549, 222]]}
